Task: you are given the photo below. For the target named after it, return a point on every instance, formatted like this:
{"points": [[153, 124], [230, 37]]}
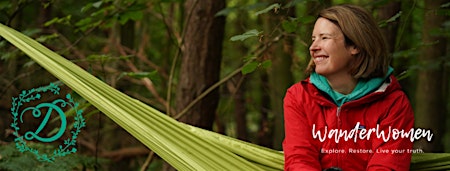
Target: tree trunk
{"points": [[280, 74], [430, 99], [265, 132], [240, 109], [45, 14], [127, 34], [402, 63], [240, 81], [200, 65], [390, 30]]}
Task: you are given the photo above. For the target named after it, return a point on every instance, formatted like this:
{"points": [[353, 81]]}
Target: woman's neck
{"points": [[343, 84]]}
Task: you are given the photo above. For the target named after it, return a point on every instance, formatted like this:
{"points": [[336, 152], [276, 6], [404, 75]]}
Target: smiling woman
{"points": [[350, 84]]}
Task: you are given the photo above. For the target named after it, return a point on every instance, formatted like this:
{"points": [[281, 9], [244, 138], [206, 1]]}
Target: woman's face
{"points": [[328, 50]]}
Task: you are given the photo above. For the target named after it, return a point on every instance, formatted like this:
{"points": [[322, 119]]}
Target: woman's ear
{"points": [[353, 50]]}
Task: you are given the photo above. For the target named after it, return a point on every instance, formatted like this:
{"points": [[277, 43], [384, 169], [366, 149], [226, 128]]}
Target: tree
{"points": [[279, 74], [430, 93], [200, 63], [389, 30]]}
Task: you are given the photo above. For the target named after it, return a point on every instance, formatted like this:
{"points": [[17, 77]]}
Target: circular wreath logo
{"points": [[57, 106]]}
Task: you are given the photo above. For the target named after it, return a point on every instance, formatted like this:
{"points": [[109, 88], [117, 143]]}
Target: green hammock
{"points": [[183, 146]]}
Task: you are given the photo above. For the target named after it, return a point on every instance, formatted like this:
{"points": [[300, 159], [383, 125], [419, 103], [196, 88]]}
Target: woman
{"points": [[342, 116]]}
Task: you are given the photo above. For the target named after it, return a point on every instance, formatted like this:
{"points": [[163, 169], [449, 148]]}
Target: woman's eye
{"points": [[323, 38]]}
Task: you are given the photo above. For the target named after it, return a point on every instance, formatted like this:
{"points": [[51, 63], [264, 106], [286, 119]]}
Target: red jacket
{"points": [[305, 108]]}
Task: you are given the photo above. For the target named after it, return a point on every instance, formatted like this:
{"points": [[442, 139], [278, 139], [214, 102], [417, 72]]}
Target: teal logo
{"points": [[29, 103]]}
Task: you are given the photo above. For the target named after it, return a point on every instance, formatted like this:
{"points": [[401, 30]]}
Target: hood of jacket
{"points": [[388, 85], [362, 88]]}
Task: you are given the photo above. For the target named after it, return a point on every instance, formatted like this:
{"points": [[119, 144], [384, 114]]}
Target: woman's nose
{"points": [[314, 46]]}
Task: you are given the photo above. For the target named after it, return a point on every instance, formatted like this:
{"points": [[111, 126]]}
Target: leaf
{"points": [[274, 7], [100, 58], [97, 4], [307, 19], [65, 20], [292, 3], [86, 23], [445, 5], [289, 26], [395, 17], [250, 67], [390, 20], [130, 15], [44, 38], [140, 75], [266, 64], [255, 6], [29, 64], [225, 11], [246, 35]]}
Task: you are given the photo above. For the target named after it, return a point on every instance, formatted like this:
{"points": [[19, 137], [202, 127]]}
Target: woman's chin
{"points": [[321, 71]]}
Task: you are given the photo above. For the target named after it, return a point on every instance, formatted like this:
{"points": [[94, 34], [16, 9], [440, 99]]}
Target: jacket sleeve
{"points": [[299, 150], [400, 117]]}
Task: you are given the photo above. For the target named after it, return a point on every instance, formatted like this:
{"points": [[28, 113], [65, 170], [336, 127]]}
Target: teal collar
{"points": [[363, 87]]}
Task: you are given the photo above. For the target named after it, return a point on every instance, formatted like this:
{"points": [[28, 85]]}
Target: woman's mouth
{"points": [[318, 59]]}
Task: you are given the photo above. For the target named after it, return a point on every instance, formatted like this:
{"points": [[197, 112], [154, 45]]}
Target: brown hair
{"points": [[360, 30]]}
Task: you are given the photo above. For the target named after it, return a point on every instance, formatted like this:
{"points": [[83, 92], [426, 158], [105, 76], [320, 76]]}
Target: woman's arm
{"points": [[299, 150], [400, 117]]}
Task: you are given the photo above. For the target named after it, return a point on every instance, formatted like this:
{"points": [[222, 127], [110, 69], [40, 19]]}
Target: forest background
{"points": [[222, 65]]}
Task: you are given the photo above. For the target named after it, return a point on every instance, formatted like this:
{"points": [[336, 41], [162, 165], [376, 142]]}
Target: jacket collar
{"points": [[362, 88], [391, 84]]}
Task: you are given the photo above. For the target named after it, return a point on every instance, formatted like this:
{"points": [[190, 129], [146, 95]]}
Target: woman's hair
{"points": [[360, 30]]}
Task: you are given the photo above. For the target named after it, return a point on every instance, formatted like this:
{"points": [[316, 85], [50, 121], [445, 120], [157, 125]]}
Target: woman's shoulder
{"points": [[300, 87], [392, 93], [303, 91]]}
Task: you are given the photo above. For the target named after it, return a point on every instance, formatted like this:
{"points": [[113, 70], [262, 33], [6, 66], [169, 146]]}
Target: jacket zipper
{"points": [[338, 112]]}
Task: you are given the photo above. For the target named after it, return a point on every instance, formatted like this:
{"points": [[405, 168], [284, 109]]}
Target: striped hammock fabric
{"points": [[183, 146]]}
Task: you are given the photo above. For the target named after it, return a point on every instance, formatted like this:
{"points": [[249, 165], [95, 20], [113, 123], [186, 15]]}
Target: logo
{"points": [[29, 103]]}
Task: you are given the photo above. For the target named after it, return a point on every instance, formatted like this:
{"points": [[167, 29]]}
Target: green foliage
{"points": [[293, 3], [253, 65], [185, 147], [87, 33], [246, 35], [430, 161], [64, 20], [7, 55], [45, 38], [170, 138], [140, 75], [289, 26], [275, 7], [104, 14], [390, 20], [11, 160], [292, 24], [250, 67]]}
